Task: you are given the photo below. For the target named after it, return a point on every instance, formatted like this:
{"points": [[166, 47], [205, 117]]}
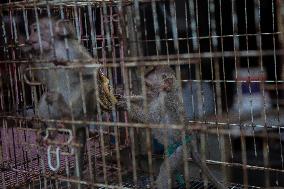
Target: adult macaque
{"points": [[165, 107], [52, 42]]}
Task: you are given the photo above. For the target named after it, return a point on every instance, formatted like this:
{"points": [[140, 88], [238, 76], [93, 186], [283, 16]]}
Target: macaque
{"points": [[52, 42], [165, 107]]}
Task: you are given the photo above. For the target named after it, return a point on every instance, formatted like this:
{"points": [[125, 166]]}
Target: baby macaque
{"points": [[52, 42], [165, 107]]}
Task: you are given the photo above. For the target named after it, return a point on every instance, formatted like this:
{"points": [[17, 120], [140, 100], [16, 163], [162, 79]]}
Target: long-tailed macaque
{"points": [[71, 92], [164, 106]]}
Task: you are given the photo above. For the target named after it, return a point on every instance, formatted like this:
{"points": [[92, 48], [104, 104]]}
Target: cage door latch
{"points": [[49, 157]]}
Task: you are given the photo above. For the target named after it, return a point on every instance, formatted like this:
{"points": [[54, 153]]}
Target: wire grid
{"points": [[218, 44], [23, 158]]}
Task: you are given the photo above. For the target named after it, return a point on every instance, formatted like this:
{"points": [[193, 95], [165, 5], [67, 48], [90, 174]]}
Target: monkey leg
{"points": [[197, 160], [53, 106], [175, 162]]}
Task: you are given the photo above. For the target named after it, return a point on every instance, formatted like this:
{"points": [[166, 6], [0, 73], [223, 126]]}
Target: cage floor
{"points": [[143, 183], [24, 161], [195, 183]]}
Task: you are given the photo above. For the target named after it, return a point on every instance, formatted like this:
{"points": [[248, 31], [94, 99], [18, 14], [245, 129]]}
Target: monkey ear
{"points": [[168, 83], [60, 25]]}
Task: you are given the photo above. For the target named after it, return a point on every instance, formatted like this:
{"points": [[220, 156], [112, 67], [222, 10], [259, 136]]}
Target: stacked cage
{"points": [[226, 57]]}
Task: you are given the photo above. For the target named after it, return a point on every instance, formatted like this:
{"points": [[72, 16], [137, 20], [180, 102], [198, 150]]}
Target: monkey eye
{"points": [[164, 76], [34, 29]]}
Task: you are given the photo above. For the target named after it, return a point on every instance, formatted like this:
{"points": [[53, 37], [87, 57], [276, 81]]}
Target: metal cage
{"points": [[227, 57]]}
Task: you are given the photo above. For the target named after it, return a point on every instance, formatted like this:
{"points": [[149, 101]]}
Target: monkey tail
{"points": [[197, 160]]}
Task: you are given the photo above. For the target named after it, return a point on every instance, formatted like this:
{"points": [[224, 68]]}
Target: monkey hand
{"points": [[121, 102], [60, 62]]}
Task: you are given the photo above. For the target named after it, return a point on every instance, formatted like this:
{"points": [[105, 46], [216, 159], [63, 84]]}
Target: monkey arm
{"points": [[137, 114]]}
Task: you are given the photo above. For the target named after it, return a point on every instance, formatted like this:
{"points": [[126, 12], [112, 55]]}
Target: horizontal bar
{"points": [[192, 125], [71, 3], [167, 59]]}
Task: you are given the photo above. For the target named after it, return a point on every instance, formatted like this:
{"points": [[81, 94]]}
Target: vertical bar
{"points": [[96, 98], [92, 21], [64, 31], [1, 76], [1, 152], [38, 28], [189, 18], [77, 20], [174, 25], [11, 91], [137, 24], [103, 36], [106, 26], [148, 131], [42, 164], [156, 27], [131, 46], [279, 6], [257, 18], [146, 36], [21, 78], [200, 92], [15, 84], [67, 170], [225, 171], [70, 104], [113, 18], [117, 153], [248, 66], [165, 28], [125, 80], [217, 90], [236, 52], [182, 119]]}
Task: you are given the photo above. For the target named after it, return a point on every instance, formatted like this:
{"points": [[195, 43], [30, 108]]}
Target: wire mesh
{"points": [[227, 60]]}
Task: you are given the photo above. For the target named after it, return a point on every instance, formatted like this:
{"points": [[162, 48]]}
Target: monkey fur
{"points": [[63, 100], [165, 107]]}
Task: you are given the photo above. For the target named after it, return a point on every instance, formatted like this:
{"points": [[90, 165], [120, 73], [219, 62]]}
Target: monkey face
{"points": [[42, 33], [152, 89], [40, 37], [159, 80]]}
